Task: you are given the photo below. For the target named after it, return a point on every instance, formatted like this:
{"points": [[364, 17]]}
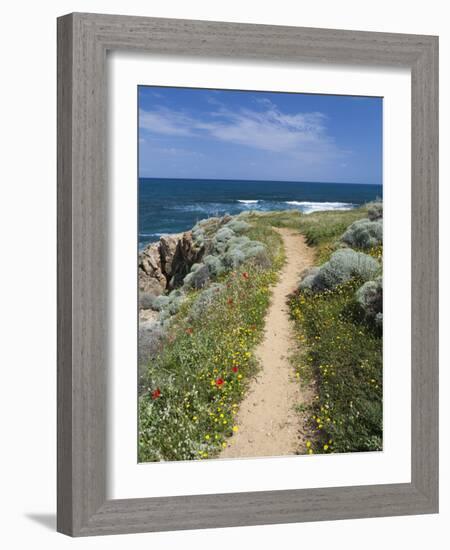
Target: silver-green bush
{"points": [[343, 265], [241, 249], [364, 234], [237, 242], [308, 278], [224, 234], [198, 278], [214, 264], [370, 297], [198, 235], [233, 258], [146, 300], [205, 300], [375, 211], [160, 302], [151, 334], [261, 258], [238, 226], [221, 239]]}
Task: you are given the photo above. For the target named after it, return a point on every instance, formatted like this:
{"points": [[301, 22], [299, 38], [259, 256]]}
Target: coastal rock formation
{"points": [[167, 249], [151, 277], [163, 265], [187, 253]]}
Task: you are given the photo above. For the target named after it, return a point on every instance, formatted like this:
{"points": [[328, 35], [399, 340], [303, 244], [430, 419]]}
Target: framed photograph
{"points": [[247, 274]]}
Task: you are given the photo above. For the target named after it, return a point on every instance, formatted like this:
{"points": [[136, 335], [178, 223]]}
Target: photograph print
{"points": [[260, 273]]}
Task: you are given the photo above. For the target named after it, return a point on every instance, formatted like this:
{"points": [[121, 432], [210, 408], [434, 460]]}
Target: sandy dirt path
{"points": [[268, 424]]}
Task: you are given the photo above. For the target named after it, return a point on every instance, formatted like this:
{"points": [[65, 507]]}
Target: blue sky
{"points": [[215, 134]]}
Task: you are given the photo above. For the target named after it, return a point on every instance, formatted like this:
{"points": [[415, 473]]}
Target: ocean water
{"points": [[175, 205]]}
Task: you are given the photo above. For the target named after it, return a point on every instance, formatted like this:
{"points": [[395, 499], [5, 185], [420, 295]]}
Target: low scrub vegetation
{"points": [[197, 358], [338, 316], [344, 354], [191, 391], [364, 234], [322, 230], [344, 265], [375, 210], [203, 359], [370, 297]]}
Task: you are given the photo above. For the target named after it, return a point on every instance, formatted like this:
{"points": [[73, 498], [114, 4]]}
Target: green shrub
{"points": [[198, 236], [261, 258], [205, 300], [233, 258], [146, 300], [160, 302], [224, 234], [176, 299], [238, 226], [214, 264], [370, 298], [343, 265], [241, 249], [307, 280], [151, 336], [198, 278], [220, 240], [375, 211], [237, 242], [364, 234]]}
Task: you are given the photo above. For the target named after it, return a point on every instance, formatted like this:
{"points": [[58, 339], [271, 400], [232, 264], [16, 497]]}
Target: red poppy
{"points": [[234, 369], [189, 330], [219, 382], [245, 275], [230, 301], [156, 393]]}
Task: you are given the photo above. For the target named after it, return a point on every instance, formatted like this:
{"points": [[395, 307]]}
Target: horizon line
{"points": [[278, 181]]}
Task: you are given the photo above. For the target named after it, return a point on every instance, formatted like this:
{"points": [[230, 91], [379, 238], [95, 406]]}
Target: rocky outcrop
{"points": [[187, 253], [167, 248], [151, 277], [163, 265]]}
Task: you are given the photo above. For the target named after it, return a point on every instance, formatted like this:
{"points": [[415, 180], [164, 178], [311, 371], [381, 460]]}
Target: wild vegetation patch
{"points": [[190, 390], [322, 230], [201, 352], [344, 353], [338, 316]]}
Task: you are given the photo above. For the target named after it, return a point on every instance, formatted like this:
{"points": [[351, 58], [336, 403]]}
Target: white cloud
{"points": [[165, 121], [301, 135]]}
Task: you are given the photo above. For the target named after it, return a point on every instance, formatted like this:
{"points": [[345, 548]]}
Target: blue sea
{"points": [[176, 205]]}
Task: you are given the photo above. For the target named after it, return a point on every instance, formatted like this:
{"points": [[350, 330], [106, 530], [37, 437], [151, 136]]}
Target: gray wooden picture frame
{"points": [[83, 41]]}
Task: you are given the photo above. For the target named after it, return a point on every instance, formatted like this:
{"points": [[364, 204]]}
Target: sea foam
{"points": [[307, 207]]}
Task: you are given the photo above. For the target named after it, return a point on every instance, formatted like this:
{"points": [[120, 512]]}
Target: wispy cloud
{"points": [[166, 122], [300, 135]]}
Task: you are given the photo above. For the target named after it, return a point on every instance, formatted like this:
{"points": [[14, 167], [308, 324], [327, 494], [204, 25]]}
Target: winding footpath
{"points": [[267, 420]]}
